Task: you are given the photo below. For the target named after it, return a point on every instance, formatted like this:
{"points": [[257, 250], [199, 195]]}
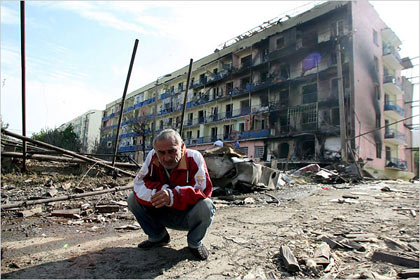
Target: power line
{"points": [[379, 128]]}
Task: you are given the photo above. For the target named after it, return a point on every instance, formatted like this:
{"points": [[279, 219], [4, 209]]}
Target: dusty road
{"points": [[244, 238]]}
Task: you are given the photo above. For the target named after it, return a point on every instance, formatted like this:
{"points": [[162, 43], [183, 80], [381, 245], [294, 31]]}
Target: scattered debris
{"points": [[289, 260], [396, 258]]}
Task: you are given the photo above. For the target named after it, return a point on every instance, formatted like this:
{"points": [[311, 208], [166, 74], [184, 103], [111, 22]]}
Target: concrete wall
{"points": [[366, 106]]}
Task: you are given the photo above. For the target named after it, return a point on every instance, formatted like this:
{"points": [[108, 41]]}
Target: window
{"points": [[337, 28], [229, 87], [334, 87], [215, 71], [241, 127], [259, 151], [180, 86], [376, 64], [377, 92], [388, 153], [263, 76], [284, 71], [198, 133], [378, 121], [379, 150], [375, 37], [246, 61], [244, 150], [280, 43], [189, 134], [335, 116], [309, 93], [244, 81]]}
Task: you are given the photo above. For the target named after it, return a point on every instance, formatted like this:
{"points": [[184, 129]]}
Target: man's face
{"points": [[168, 152]]}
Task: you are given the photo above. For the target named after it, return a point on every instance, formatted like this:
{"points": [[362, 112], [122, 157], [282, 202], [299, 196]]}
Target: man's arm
{"points": [[144, 184], [183, 196]]}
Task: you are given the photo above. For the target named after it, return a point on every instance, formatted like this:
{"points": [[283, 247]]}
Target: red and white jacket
{"points": [[188, 182]]}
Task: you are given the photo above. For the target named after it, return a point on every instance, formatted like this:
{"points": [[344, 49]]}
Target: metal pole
{"points": [[185, 98], [22, 56], [67, 152], [343, 135], [123, 100]]}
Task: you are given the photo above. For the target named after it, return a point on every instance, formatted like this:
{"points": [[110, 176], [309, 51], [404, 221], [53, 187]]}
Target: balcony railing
{"points": [[393, 80], [228, 137], [392, 51], [391, 106], [394, 134]]}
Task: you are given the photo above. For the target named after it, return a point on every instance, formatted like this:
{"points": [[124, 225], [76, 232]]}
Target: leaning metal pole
{"points": [[64, 151], [185, 98], [22, 56], [123, 100]]}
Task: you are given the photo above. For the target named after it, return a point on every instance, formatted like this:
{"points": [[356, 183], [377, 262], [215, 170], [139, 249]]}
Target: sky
{"points": [[78, 52]]}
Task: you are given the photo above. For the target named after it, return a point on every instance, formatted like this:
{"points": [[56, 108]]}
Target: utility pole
{"points": [[23, 57], [343, 136]]}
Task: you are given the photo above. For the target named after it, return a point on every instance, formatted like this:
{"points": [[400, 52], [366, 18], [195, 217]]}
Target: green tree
{"points": [[63, 138]]}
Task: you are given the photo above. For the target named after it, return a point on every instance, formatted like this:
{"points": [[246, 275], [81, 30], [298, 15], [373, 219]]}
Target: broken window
{"points": [[309, 39], [334, 87], [203, 79], [333, 57], [246, 61], [214, 133], [244, 82], [229, 108], [284, 97], [189, 134], [264, 100], [377, 92], [245, 107], [387, 153], [180, 86], [198, 133], [335, 116], [201, 116], [309, 93], [379, 150], [215, 71], [263, 76], [227, 130], [241, 127], [229, 87], [283, 150], [375, 37], [190, 118], [285, 71], [376, 64], [280, 43]]}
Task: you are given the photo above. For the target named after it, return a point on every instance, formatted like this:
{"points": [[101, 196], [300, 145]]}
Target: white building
{"points": [[87, 127]]}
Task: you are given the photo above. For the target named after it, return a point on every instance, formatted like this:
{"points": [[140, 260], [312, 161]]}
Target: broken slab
{"points": [[289, 260], [409, 273], [30, 212], [107, 208], [69, 213]]}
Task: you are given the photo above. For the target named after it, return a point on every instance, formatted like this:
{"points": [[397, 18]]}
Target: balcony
{"points": [[391, 57], [264, 133], [395, 137], [393, 111], [393, 85], [396, 164]]}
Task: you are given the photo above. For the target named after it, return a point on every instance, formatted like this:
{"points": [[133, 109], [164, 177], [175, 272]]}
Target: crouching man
{"points": [[172, 190]]}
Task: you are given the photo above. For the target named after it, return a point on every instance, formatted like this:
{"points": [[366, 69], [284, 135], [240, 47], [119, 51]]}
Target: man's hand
{"points": [[160, 199]]}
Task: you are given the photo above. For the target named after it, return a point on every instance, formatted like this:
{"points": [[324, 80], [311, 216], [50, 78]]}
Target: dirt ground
{"points": [[244, 239]]}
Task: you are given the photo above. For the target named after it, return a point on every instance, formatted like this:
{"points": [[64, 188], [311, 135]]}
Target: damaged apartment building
{"points": [[296, 90]]}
